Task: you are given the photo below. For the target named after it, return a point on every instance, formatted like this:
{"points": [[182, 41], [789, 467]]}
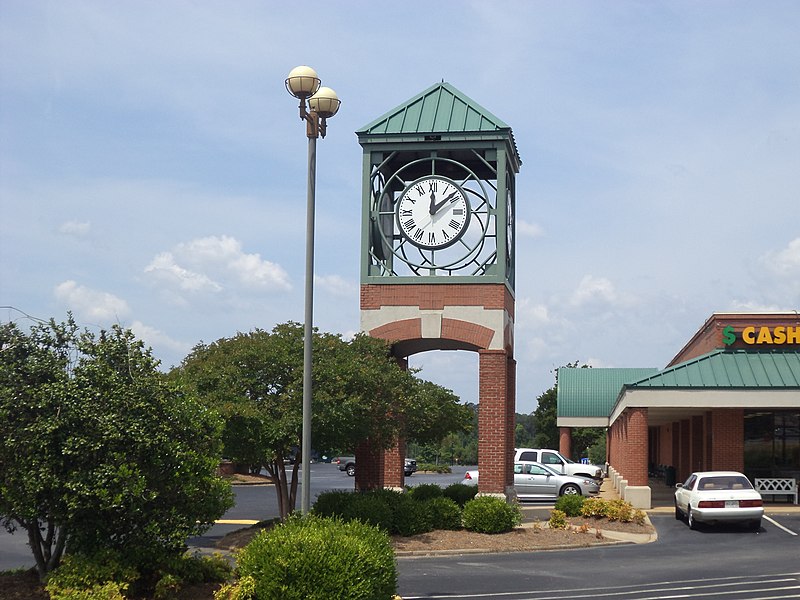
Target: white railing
{"points": [[775, 486]]}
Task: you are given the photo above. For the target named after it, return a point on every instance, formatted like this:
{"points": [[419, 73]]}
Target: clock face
{"points": [[433, 212]]}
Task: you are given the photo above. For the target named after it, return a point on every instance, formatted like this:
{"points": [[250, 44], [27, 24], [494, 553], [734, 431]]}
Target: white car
{"points": [[535, 481], [718, 497]]}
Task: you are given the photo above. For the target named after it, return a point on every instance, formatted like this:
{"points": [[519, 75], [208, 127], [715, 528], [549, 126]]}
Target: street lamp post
{"points": [[303, 83]]}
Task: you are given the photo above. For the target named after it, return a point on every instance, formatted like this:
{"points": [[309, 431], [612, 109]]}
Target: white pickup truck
{"points": [[559, 462]]}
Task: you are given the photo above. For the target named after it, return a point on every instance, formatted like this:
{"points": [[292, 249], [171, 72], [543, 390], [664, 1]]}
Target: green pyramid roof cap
{"points": [[440, 109]]}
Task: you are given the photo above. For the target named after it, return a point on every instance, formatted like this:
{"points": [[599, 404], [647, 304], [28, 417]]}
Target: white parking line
{"points": [[778, 525]]}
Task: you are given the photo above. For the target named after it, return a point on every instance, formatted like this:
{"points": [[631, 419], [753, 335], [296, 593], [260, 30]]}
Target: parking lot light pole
{"points": [[303, 83]]}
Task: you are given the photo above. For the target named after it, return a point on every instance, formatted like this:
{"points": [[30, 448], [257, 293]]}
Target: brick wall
{"points": [[495, 423], [727, 431], [437, 296], [628, 443]]}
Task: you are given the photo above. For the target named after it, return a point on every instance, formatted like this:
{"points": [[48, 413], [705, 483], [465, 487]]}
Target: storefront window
{"points": [[772, 443]]}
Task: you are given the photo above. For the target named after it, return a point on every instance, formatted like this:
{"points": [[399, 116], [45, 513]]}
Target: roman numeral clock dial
{"points": [[433, 212]]}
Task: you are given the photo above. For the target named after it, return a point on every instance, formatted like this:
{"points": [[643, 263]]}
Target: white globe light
{"points": [[325, 102], [302, 82]]}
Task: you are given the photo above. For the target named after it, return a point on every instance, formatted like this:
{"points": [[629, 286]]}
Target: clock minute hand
{"points": [[435, 207]]}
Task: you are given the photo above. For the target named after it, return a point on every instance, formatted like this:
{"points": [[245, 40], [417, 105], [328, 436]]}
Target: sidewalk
{"points": [[662, 499]]}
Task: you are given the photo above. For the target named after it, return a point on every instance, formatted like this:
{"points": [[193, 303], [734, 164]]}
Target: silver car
{"points": [[535, 481]]}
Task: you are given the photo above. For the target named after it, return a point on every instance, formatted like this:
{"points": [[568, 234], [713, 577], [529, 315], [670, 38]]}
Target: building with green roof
{"points": [[729, 400]]}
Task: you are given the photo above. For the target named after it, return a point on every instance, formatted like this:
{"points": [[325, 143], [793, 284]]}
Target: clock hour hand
{"points": [[436, 206]]}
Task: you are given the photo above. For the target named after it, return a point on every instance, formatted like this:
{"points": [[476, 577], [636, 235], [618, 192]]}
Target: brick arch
{"points": [[406, 336]]}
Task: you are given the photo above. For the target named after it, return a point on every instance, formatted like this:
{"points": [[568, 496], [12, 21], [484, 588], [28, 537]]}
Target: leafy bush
{"points": [[107, 574], [318, 558], [558, 519], [411, 517], [619, 510], [460, 493], [425, 491], [244, 589], [444, 512], [431, 468], [571, 505], [488, 514], [370, 508], [594, 507], [110, 590], [333, 503], [102, 576]]}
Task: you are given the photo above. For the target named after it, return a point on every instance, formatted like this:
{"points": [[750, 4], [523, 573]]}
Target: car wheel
{"points": [[570, 490], [690, 519], [755, 525], [351, 470]]}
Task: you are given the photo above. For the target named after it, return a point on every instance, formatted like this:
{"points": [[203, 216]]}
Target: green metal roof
{"points": [[439, 109], [593, 392], [730, 369]]}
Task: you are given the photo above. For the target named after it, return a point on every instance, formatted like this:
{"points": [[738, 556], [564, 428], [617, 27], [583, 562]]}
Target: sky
{"points": [[153, 165]]}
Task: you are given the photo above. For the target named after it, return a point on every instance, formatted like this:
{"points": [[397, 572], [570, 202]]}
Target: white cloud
{"points": [[594, 289], [786, 261], [335, 285], [526, 229], [164, 268], [91, 304], [75, 228], [214, 264], [530, 314], [157, 339]]}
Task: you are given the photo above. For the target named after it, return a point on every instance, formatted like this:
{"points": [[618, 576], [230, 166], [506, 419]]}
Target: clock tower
{"points": [[437, 258]]}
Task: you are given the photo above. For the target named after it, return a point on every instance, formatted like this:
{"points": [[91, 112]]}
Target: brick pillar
{"points": [[494, 429], [393, 467], [369, 466], [637, 445], [511, 407], [684, 464], [696, 452], [727, 430], [565, 441], [675, 459]]}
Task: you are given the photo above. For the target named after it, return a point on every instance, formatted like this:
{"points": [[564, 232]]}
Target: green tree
{"points": [[546, 427], [360, 393], [98, 451], [524, 430], [545, 419]]}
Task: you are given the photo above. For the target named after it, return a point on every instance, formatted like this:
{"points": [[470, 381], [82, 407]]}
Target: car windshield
{"points": [[724, 482]]}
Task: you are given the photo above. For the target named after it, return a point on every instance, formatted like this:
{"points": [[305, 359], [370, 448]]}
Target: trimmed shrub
{"points": [[571, 505], [102, 576], [425, 491], [444, 512], [317, 558], [371, 509], [431, 468], [460, 493], [558, 519], [619, 510], [411, 517], [488, 514], [333, 503], [594, 507]]}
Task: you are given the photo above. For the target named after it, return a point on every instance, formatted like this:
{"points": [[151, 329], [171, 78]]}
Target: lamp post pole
{"points": [[303, 83]]}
